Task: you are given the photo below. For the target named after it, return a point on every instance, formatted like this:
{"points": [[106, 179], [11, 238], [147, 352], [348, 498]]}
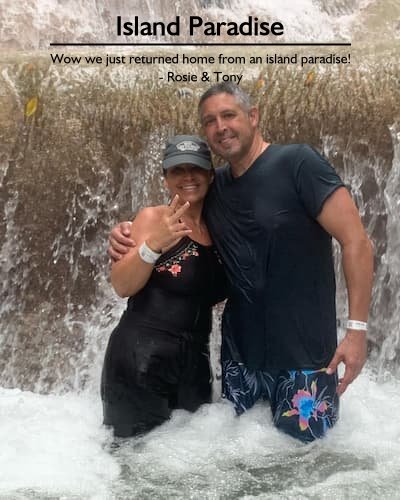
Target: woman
{"points": [[157, 357]]}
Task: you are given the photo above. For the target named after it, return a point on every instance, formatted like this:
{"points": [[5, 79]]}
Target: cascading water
{"points": [[388, 274], [79, 150]]}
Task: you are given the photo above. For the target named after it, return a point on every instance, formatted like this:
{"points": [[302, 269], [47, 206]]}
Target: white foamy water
{"points": [[55, 447], [52, 445]]}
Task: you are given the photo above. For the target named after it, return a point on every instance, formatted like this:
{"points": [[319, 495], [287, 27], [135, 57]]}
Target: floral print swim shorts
{"points": [[304, 403]]}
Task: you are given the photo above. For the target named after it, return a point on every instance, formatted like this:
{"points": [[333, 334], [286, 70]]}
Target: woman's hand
{"points": [[159, 227], [170, 228]]}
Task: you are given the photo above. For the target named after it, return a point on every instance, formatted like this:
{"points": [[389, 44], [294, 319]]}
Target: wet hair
{"points": [[243, 99]]}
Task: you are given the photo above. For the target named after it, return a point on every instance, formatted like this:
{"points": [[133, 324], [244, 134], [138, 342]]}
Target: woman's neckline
{"points": [[184, 240]]}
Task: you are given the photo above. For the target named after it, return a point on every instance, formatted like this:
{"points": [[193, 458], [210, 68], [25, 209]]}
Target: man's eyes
{"points": [[226, 116], [208, 121]]}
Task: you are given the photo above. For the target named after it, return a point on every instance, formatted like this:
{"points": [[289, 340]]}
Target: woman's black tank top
{"points": [[186, 281]]}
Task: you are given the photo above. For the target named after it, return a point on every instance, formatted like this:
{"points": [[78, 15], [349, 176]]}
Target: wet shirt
{"points": [[186, 281], [278, 259], [157, 358]]}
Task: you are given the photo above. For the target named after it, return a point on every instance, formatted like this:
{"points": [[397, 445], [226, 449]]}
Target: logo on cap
{"points": [[187, 146]]}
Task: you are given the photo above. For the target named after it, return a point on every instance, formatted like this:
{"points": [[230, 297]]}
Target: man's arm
{"points": [[340, 218], [120, 241]]}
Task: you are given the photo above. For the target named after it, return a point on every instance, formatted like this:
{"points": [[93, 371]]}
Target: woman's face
{"points": [[190, 182]]}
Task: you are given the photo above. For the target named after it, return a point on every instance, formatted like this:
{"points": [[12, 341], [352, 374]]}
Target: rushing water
{"points": [[54, 447], [86, 155]]}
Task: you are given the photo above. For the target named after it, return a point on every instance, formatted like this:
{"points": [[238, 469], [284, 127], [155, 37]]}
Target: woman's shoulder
{"points": [[147, 216], [150, 213]]}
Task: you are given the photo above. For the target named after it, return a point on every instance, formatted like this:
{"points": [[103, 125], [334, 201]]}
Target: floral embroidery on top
{"points": [[173, 264], [175, 269]]}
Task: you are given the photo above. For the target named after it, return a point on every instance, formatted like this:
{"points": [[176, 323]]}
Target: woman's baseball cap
{"points": [[186, 149]]}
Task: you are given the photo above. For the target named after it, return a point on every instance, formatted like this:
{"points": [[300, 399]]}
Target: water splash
{"points": [[388, 275]]}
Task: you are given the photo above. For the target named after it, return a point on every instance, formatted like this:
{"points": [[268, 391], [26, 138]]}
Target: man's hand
{"points": [[120, 241], [352, 351]]}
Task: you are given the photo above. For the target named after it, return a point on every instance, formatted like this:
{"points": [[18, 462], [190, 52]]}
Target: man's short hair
{"points": [[243, 99]]}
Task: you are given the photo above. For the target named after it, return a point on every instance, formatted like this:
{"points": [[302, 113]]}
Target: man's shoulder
{"points": [[291, 149], [301, 150], [293, 156]]}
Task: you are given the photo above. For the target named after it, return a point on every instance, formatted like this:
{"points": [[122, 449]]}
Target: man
{"points": [[271, 212]]}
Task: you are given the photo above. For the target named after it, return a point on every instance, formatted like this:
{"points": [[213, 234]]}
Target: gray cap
{"points": [[186, 149]]}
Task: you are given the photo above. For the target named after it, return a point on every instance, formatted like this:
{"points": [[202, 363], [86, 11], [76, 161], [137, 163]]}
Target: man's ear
{"points": [[254, 116]]}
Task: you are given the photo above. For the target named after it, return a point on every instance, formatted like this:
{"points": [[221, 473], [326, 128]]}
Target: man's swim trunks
{"points": [[304, 403]]}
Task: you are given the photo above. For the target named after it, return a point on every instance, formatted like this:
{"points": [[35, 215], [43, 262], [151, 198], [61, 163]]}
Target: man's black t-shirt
{"points": [[281, 307]]}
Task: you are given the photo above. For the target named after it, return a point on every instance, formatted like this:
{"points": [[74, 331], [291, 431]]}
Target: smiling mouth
{"points": [[189, 187], [226, 140]]}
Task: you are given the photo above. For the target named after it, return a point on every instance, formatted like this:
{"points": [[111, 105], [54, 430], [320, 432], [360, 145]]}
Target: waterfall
{"points": [[387, 303], [80, 150], [90, 156]]}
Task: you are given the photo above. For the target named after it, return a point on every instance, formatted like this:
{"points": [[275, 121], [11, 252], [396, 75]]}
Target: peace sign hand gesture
{"points": [[169, 228]]}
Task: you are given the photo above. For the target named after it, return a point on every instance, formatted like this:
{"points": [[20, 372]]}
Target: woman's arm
{"points": [[131, 273]]}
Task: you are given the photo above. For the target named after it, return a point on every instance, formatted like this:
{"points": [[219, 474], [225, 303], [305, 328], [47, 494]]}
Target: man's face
{"points": [[230, 130]]}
